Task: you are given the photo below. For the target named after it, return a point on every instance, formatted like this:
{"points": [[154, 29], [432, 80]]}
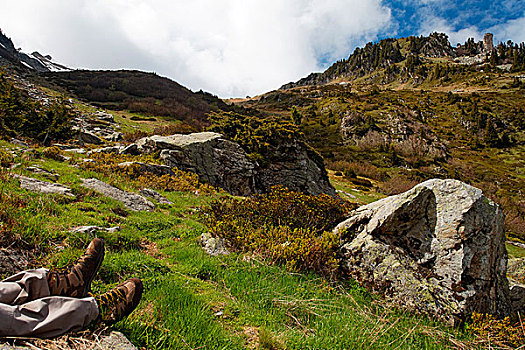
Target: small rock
{"points": [[13, 261], [19, 143], [116, 341], [106, 150], [131, 200], [50, 175], [104, 116], [213, 246], [132, 150], [115, 137], [155, 195]]}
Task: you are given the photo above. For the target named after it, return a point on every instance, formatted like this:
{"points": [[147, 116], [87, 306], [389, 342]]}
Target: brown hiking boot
{"points": [[119, 302], [75, 280]]}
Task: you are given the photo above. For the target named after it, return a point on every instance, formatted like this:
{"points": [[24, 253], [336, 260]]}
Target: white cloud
{"points": [[513, 30], [228, 47]]}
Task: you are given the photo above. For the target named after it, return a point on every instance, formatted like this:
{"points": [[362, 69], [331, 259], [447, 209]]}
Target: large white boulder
{"points": [[438, 248]]}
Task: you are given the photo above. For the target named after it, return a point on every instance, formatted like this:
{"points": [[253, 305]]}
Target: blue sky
{"points": [[239, 47], [413, 16]]}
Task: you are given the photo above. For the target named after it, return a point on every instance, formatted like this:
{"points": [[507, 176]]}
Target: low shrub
{"points": [[363, 169], [180, 181], [135, 135], [53, 153], [502, 332], [282, 226]]}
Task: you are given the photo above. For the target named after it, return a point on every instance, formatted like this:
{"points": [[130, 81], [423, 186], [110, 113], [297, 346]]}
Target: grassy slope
{"points": [[193, 300]]}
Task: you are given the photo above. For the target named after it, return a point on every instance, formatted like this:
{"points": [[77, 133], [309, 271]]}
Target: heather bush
{"points": [[135, 135], [282, 226], [503, 332], [363, 168]]}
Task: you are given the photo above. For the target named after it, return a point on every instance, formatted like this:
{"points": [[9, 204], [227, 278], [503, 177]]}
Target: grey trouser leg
{"points": [[27, 309]]}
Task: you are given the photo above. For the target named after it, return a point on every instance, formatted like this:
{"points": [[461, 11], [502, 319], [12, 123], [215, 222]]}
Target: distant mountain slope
{"points": [[33, 61], [412, 59], [139, 92]]}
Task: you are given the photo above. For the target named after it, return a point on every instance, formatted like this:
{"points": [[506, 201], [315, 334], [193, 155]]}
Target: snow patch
{"points": [[53, 67]]}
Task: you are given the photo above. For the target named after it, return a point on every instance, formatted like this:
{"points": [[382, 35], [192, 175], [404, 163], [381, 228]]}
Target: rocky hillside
{"points": [[413, 59]]}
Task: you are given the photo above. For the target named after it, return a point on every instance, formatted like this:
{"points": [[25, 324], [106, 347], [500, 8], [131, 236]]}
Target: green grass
{"points": [[193, 300]]}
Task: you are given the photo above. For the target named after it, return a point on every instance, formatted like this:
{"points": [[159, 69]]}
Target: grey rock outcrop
{"points": [[131, 200], [89, 137], [34, 185], [223, 163], [438, 249], [297, 167], [217, 161]]}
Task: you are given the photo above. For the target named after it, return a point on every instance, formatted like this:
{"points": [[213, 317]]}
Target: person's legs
{"points": [[24, 286], [43, 303], [47, 317], [47, 303]]}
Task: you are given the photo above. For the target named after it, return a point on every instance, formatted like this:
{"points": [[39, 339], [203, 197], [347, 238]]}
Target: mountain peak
{"points": [[34, 61]]}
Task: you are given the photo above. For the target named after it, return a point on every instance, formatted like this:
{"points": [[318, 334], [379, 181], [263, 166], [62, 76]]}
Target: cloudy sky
{"points": [[239, 47]]}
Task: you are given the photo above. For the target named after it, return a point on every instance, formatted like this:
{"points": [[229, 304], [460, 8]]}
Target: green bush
{"points": [[282, 226], [266, 140], [53, 153]]}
